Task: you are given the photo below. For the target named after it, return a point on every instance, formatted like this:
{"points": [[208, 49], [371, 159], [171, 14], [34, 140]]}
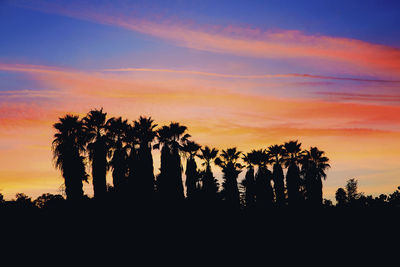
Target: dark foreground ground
{"points": [[193, 222], [191, 236]]}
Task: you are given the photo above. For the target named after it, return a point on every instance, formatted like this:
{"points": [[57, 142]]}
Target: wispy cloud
{"points": [[360, 96], [263, 76], [46, 94]]}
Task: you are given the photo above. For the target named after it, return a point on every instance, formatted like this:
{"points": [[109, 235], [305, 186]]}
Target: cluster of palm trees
{"points": [[125, 149], [305, 171]]}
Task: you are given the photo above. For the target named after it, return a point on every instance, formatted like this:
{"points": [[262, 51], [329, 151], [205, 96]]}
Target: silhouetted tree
{"points": [[209, 185], [68, 144], [169, 182], [341, 197], [116, 131], [351, 189], [249, 180], [48, 201], [349, 196], [276, 155], [314, 166], [327, 203], [97, 146], [293, 156], [144, 129], [23, 201], [380, 201], [192, 176], [394, 198], [264, 192], [231, 169], [131, 143]]}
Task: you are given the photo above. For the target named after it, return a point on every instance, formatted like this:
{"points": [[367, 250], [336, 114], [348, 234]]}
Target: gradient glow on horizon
{"points": [[237, 74]]}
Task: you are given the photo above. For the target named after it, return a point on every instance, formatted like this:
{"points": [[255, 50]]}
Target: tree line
{"points": [[349, 197], [125, 149]]}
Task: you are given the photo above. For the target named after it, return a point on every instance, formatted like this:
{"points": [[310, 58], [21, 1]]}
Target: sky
{"points": [[237, 73]]}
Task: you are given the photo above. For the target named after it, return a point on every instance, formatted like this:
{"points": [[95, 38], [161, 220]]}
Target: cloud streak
{"points": [[360, 96], [263, 76]]}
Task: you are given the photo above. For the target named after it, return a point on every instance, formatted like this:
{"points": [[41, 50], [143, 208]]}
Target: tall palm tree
{"points": [[190, 148], [97, 146], [264, 192], [116, 131], [169, 182], [276, 155], [131, 143], [231, 169], [68, 146], [314, 167], [293, 156], [210, 185], [144, 129], [249, 180]]}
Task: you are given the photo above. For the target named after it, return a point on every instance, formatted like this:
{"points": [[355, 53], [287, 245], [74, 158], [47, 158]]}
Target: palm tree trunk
{"points": [[293, 184], [249, 184], [279, 184], [99, 170]]}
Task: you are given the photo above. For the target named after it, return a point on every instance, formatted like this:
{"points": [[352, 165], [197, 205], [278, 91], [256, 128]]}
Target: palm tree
{"points": [[68, 146], [144, 171], [314, 166], [97, 146], [210, 185], [293, 156], [276, 155], [131, 143], [249, 182], [116, 131], [264, 192], [231, 169], [169, 182], [192, 176]]}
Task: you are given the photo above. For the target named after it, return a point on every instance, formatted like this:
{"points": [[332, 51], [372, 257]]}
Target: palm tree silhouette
{"points": [[169, 182], [314, 166], [276, 155], [293, 156], [264, 192], [131, 143], [249, 180], [144, 129], [116, 132], [97, 146], [190, 148], [231, 169], [210, 185], [68, 146]]}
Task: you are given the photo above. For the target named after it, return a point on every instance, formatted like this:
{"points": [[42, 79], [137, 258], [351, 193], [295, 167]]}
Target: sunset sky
{"points": [[236, 73]]}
